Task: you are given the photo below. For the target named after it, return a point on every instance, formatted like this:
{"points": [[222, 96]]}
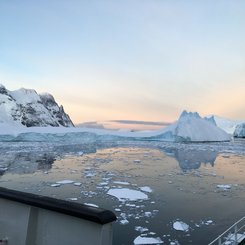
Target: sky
{"points": [[127, 59]]}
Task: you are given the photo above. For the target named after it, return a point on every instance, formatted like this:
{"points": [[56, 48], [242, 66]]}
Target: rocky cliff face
{"points": [[26, 107]]}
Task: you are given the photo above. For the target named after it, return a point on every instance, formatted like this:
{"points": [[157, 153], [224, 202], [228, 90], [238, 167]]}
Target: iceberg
{"points": [[192, 128], [227, 125], [240, 131]]}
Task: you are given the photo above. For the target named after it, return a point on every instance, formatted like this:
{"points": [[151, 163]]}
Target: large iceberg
{"points": [[240, 131], [192, 128]]}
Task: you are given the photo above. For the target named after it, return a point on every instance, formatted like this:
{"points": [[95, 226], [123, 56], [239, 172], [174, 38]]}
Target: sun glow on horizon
{"points": [[140, 60]]}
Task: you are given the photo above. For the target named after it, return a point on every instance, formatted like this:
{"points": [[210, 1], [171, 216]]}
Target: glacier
{"points": [[189, 128]]}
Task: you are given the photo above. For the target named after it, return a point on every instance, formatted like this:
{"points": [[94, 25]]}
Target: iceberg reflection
{"points": [[192, 159]]}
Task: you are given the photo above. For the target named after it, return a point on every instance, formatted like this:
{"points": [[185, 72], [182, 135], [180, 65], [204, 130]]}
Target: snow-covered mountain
{"points": [[226, 124], [240, 130], [192, 128], [26, 107]]}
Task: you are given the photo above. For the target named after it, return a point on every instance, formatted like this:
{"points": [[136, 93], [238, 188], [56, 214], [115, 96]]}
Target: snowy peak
{"points": [[47, 98], [3, 90], [27, 107], [25, 96]]}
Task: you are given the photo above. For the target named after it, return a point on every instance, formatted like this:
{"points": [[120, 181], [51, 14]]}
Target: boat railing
{"points": [[233, 235], [27, 219]]}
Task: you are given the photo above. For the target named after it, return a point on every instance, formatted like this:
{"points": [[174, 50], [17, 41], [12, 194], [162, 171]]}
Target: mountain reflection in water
{"points": [[29, 159], [27, 163]]}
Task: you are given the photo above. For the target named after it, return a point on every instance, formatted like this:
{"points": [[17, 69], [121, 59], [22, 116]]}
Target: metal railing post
{"points": [[236, 242], [239, 226], [220, 241]]}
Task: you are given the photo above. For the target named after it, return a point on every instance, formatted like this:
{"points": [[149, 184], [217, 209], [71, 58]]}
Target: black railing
{"points": [[82, 211]]}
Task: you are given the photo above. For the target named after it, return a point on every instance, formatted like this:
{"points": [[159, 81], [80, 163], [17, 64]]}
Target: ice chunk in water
{"points": [[127, 194], [55, 185], [147, 240], [120, 183], [66, 181], [180, 226], [124, 222], [146, 189], [224, 187]]}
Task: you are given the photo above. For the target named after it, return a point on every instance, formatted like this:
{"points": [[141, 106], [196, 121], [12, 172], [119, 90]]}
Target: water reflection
{"points": [[27, 159], [26, 162], [192, 159]]}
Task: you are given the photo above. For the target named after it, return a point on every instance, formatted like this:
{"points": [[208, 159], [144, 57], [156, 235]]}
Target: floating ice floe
{"points": [[174, 243], [103, 184], [73, 198], [91, 205], [146, 189], [77, 183], [66, 181], [55, 185], [89, 193], [141, 229], [130, 205], [124, 222], [127, 194], [180, 226], [147, 240], [120, 183], [90, 175], [224, 187], [209, 222], [204, 222], [148, 214]]}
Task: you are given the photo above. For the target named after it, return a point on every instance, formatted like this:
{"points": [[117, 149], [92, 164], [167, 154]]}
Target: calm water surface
{"points": [[183, 183]]}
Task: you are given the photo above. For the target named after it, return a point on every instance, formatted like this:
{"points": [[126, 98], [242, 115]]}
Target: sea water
{"points": [[160, 192]]}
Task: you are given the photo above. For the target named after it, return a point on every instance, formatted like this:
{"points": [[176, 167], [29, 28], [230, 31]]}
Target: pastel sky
{"points": [[127, 59]]}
